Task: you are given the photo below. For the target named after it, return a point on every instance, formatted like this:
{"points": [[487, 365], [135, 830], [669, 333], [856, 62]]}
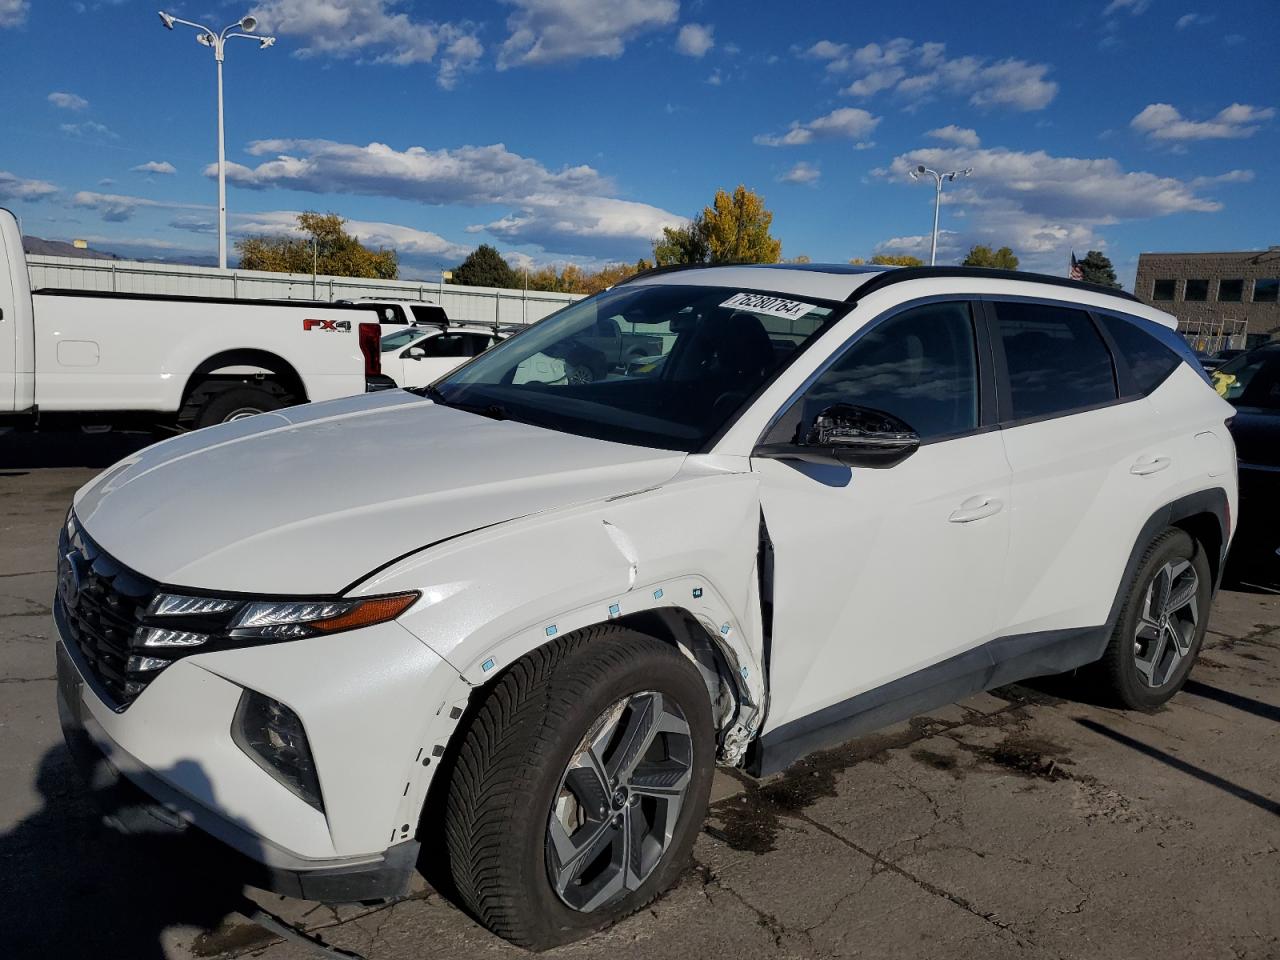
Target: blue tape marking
{"points": [[487, 665], [551, 630], [614, 609], [697, 592], [657, 594], [724, 628]]}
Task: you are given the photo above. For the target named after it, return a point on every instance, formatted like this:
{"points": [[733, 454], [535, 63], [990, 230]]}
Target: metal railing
{"points": [[463, 304]]}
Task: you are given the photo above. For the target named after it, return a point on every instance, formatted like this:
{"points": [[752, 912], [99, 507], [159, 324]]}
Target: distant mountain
{"points": [[60, 248]]}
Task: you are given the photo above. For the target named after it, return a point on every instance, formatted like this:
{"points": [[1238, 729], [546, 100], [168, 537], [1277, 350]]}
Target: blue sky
{"points": [[575, 129]]}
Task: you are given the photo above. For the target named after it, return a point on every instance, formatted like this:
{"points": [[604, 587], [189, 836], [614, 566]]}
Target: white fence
{"points": [[476, 304]]}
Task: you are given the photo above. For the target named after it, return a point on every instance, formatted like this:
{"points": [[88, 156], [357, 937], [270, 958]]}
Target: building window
{"points": [[1196, 290], [1163, 289], [1265, 289], [1230, 291]]}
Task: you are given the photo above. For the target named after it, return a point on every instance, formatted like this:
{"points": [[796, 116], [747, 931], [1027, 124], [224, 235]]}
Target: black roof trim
{"points": [[242, 301], [902, 274]]}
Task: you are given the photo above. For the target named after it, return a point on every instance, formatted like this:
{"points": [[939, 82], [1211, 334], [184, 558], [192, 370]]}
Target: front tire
{"points": [[1161, 625], [579, 786]]}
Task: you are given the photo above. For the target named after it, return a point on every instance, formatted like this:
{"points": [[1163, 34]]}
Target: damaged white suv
{"points": [[824, 499]]}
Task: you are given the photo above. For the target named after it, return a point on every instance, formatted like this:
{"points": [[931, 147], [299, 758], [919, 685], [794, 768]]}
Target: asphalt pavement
{"points": [[1024, 822]]}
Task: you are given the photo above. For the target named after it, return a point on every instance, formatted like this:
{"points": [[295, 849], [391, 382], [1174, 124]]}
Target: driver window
{"points": [[919, 365], [446, 345]]}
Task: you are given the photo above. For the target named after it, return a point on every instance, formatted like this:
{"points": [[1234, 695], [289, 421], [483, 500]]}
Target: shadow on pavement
{"points": [[1182, 766], [1236, 700], [23, 451], [69, 887]]}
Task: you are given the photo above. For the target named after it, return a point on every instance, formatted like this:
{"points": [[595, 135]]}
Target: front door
{"points": [[880, 574]]}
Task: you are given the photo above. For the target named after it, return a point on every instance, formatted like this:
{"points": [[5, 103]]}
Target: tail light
{"points": [[370, 346]]}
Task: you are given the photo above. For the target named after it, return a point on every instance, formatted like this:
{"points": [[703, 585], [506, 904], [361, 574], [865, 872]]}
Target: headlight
{"points": [[232, 620]]}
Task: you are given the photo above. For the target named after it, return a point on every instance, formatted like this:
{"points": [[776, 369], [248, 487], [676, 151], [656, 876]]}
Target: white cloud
{"points": [[1231, 176], [1133, 7], [13, 13], [112, 207], [67, 101], [848, 123], [918, 70], [960, 136], [1042, 205], [715, 79], [406, 241], [570, 206], [802, 172], [1163, 121], [89, 128], [163, 167], [695, 39], [552, 31], [372, 31], [1192, 19], [14, 187]]}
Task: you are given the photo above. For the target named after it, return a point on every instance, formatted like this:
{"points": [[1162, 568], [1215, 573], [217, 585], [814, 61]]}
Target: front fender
{"points": [[491, 596]]}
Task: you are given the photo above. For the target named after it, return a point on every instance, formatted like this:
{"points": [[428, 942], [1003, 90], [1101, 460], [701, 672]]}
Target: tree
{"points": [[682, 245], [899, 260], [734, 229], [335, 252], [737, 228], [981, 255], [484, 267], [1096, 268]]}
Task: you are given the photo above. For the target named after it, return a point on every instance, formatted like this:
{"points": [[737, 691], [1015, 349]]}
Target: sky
{"points": [[575, 130]]}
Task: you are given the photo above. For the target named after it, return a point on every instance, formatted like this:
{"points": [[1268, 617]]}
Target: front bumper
{"points": [[137, 800]]}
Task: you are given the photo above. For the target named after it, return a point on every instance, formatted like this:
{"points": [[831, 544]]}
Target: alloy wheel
{"points": [[1167, 622], [619, 801]]}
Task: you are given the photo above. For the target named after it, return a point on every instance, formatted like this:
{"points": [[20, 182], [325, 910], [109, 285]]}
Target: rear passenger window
{"points": [[1057, 362], [1149, 360]]}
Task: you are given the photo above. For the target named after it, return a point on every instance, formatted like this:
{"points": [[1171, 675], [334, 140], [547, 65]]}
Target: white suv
{"points": [[830, 498]]}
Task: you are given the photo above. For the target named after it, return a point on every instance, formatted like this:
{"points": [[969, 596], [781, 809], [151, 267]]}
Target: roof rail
{"points": [[677, 267], [901, 274]]}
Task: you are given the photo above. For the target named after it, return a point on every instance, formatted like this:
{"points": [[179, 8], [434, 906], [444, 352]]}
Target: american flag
{"points": [[1075, 273]]}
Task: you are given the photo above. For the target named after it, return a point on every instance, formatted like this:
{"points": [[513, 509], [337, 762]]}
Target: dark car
{"points": [[1212, 363], [1251, 382]]}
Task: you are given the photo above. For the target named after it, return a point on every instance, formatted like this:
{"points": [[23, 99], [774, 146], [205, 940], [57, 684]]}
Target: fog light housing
{"points": [[271, 734]]}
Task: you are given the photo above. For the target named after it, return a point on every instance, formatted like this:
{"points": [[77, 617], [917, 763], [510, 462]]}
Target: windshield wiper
{"points": [[494, 411]]}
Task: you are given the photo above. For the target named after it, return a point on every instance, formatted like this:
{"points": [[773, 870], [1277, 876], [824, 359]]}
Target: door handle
{"points": [[1149, 465], [976, 508]]}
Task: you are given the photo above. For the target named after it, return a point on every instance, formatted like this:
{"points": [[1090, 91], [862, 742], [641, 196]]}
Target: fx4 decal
{"points": [[332, 325]]}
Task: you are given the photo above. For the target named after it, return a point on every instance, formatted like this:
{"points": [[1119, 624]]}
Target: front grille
{"points": [[102, 602]]}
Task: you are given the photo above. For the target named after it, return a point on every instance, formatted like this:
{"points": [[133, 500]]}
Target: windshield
{"points": [[401, 338], [660, 366], [1251, 379]]}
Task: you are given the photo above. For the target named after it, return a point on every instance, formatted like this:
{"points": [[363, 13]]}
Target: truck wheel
{"points": [[236, 404], [579, 786], [1160, 627]]}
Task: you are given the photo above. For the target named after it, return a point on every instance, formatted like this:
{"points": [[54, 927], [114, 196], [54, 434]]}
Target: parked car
{"points": [[1251, 382], [847, 495], [1212, 363], [416, 356], [130, 359], [403, 313]]}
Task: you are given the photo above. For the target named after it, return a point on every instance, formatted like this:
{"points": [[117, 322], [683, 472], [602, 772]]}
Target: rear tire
{"points": [[513, 862], [1161, 625], [238, 403]]}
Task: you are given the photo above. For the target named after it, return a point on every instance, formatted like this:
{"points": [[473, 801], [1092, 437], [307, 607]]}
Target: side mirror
{"points": [[415, 353], [851, 436]]}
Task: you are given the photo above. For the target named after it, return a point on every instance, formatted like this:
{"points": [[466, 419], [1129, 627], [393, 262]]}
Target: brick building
{"points": [[1220, 299]]}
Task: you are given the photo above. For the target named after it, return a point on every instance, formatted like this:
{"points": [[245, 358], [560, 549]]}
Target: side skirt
{"points": [[995, 663]]}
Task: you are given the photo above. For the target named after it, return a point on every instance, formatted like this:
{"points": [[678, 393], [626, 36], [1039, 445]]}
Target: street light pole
{"points": [[218, 41], [921, 171]]}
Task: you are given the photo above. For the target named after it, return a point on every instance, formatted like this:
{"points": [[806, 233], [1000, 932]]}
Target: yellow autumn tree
{"points": [[736, 227]]}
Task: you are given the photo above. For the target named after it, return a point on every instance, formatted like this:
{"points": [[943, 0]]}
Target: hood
{"points": [[309, 499]]}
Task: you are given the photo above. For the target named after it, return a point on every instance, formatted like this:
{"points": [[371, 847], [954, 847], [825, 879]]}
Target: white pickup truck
{"points": [[141, 359]]}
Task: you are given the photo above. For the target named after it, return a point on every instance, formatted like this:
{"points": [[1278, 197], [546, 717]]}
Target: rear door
{"points": [[1080, 460], [431, 358]]}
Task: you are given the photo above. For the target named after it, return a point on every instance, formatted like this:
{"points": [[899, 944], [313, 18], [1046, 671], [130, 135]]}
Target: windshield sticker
{"points": [[773, 306]]}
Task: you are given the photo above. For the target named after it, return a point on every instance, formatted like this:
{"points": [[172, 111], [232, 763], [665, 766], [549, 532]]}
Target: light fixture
{"points": [[166, 20], [248, 24]]}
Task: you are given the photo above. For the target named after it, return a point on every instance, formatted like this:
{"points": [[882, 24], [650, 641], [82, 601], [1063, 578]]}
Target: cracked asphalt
{"points": [[1023, 822]]}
